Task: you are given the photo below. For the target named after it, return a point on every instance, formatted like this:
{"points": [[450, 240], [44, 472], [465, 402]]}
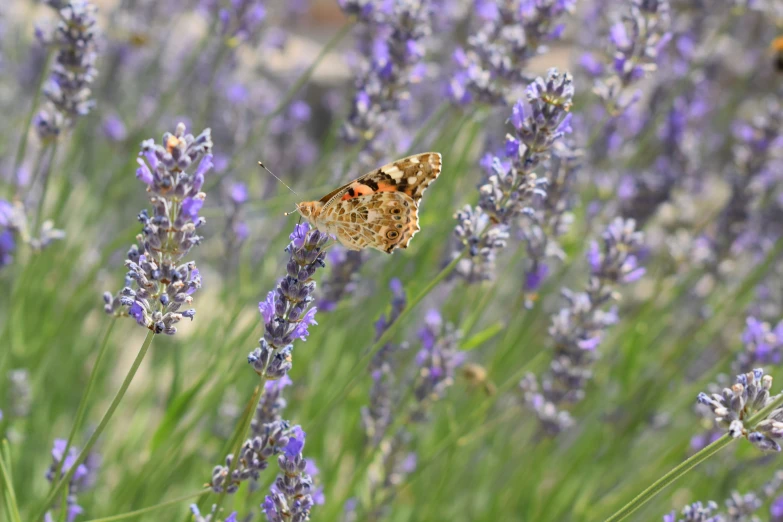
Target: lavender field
{"points": [[587, 325]]}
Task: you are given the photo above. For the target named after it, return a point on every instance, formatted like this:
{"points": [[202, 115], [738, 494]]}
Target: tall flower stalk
{"points": [[636, 39], [392, 439], [578, 329], [287, 313], [157, 284], [511, 183]]}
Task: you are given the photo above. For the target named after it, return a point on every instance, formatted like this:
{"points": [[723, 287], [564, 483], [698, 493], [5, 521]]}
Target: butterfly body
{"points": [[378, 210]]}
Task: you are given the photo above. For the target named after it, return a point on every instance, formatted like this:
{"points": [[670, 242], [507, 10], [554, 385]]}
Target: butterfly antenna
{"points": [[278, 179]]}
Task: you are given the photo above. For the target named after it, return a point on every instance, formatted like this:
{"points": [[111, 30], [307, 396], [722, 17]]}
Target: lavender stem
{"points": [[99, 429]]}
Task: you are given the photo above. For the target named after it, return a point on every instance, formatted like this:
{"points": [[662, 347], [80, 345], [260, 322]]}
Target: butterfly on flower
{"points": [[378, 210]]}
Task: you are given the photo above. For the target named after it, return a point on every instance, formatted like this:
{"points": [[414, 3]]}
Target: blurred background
{"points": [[500, 394]]}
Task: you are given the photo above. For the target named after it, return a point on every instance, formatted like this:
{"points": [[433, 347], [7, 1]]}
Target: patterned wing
{"points": [[411, 175], [383, 220]]}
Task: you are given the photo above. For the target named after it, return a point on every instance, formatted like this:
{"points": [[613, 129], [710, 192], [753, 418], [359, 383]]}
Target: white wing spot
{"points": [[411, 180]]}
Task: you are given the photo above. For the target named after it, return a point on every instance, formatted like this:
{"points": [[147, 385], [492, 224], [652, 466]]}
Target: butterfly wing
{"points": [[411, 175], [382, 220]]}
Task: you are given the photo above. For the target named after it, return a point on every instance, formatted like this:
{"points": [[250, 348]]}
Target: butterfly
{"points": [[379, 209]]}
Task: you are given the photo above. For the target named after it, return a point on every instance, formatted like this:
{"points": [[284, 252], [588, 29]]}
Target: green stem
{"points": [[22, 147], [356, 372], [690, 463], [46, 177], [131, 514], [101, 426], [10, 495], [83, 403]]}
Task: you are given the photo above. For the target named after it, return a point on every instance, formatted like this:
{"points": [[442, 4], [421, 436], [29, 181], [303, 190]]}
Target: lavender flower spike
{"points": [[578, 329], [384, 392], [286, 311], [68, 92], [733, 406], [287, 314], [636, 40], [511, 184], [158, 284], [395, 38], [291, 496]]}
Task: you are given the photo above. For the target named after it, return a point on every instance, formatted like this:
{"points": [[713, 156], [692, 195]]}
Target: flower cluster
{"points": [[68, 92], [696, 512], [287, 311], [435, 364], [733, 407], [738, 507], [437, 361], [378, 415], [493, 67], [83, 478], [158, 284], [392, 45], [578, 329], [540, 120], [636, 41], [745, 223], [291, 496], [253, 458]]}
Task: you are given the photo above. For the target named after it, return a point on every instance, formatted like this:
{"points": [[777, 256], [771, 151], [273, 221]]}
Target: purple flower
{"points": [[299, 235], [636, 40], [114, 128], [7, 246], [143, 173], [734, 406], [238, 193], [191, 206], [591, 64], [536, 277], [296, 443], [619, 36], [137, 312], [776, 509], [267, 307], [300, 331]]}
